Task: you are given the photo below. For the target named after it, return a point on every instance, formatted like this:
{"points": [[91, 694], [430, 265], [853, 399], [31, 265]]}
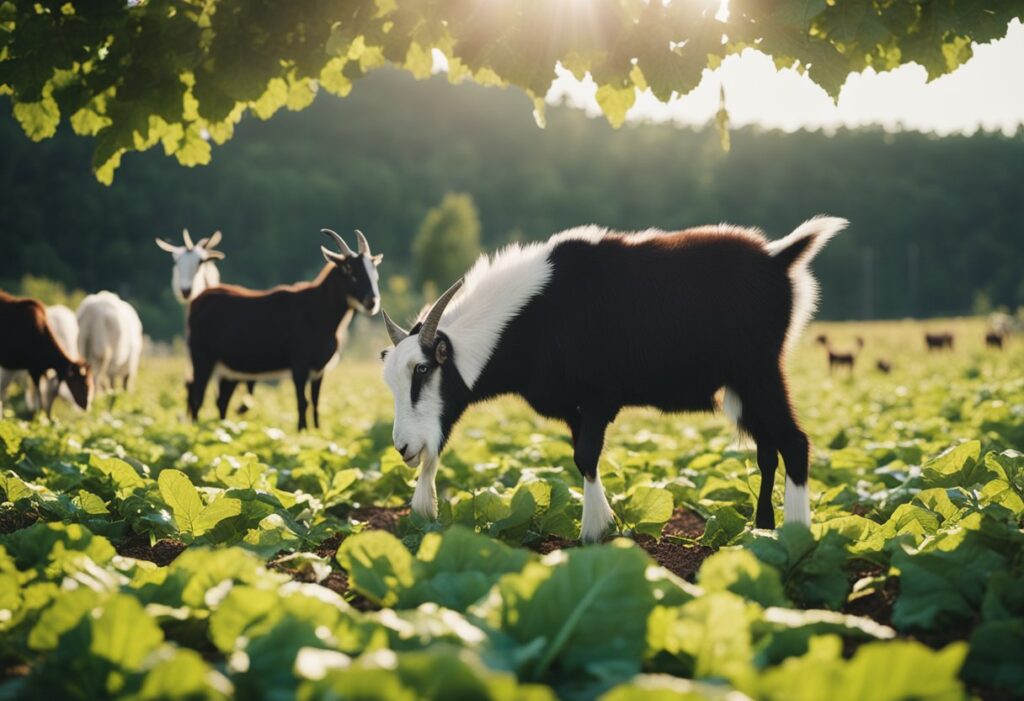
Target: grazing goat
{"points": [[592, 321], [883, 366], [28, 343], [238, 334], [110, 339], [65, 329], [995, 339], [939, 341], [839, 360], [195, 270]]}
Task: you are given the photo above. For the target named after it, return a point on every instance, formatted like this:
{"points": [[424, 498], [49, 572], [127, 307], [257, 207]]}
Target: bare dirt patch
{"points": [[163, 552]]}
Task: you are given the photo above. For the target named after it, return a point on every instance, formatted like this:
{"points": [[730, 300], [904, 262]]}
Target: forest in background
{"points": [[936, 222]]}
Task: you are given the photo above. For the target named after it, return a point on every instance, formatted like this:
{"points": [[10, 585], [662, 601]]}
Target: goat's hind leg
{"points": [[768, 416]]}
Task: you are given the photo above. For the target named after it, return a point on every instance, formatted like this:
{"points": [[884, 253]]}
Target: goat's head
{"points": [[187, 278], [359, 270], [427, 388], [78, 377]]}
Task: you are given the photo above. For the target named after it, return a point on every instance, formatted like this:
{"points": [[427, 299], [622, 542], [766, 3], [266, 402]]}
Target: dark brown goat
{"points": [[239, 334], [995, 339], [840, 360], [27, 343], [883, 366], [939, 341]]}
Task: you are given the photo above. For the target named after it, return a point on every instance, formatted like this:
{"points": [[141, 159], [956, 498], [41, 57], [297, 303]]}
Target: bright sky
{"points": [[986, 92]]}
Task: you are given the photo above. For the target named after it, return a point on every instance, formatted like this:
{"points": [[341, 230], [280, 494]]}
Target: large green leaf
{"points": [[378, 565], [895, 671], [584, 612]]}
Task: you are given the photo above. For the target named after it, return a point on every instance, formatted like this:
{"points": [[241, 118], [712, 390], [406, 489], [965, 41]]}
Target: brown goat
{"points": [[995, 339], [939, 341], [840, 360], [239, 334], [28, 343]]}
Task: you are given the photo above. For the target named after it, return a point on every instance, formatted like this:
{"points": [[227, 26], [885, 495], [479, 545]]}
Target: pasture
{"points": [[145, 557]]}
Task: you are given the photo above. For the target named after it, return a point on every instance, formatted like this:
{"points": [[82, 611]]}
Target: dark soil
{"points": [[878, 605], [163, 552], [379, 518], [681, 560], [337, 581], [376, 518], [553, 543], [329, 548], [684, 524], [12, 520]]}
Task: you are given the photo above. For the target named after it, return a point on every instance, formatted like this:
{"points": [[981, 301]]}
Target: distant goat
{"points": [[238, 334], [883, 366], [110, 339], [28, 343], [195, 267], [592, 321], [64, 327], [840, 360], [195, 270], [939, 341], [995, 339]]}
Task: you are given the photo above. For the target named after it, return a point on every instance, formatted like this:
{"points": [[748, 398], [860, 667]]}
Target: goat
{"points": [[995, 339], [883, 366], [238, 334], [839, 360], [110, 339], [195, 267], [592, 321], [939, 341], [65, 329], [195, 270], [28, 343]]}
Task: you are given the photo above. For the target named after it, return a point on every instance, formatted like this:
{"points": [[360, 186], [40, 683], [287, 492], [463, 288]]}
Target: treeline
{"points": [[937, 222]]}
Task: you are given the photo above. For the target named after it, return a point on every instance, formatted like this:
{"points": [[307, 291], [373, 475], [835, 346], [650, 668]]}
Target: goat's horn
{"points": [[364, 245], [396, 332], [429, 329], [340, 241], [187, 238]]}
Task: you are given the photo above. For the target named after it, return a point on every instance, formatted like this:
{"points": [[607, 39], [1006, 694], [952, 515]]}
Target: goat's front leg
{"points": [[588, 441], [424, 499]]}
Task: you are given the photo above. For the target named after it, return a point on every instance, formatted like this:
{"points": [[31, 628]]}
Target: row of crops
{"points": [[145, 558]]}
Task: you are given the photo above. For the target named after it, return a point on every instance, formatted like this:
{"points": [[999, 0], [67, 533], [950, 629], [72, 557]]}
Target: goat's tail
{"points": [[794, 253]]}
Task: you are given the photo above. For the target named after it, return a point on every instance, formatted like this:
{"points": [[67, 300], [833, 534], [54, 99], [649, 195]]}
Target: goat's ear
{"points": [[332, 257], [169, 247], [213, 255], [442, 351], [377, 258]]}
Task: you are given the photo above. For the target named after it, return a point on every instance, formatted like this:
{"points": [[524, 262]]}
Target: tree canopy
{"points": [[182, 73]]}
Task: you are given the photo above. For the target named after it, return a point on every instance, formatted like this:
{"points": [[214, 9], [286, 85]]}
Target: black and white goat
{"points": [[237, 334], [592, 321]]}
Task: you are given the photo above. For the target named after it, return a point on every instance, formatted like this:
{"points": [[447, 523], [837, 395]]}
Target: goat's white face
{"points": [[187, 279], [194, 268], [415, 382]]}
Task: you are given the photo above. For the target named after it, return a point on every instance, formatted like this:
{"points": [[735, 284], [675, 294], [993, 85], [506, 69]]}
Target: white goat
{"points": [[194, 266], [110, 339], [64, 325]]}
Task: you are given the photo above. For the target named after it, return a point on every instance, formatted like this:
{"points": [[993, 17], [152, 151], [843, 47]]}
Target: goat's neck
{"points": [[332, 291]]}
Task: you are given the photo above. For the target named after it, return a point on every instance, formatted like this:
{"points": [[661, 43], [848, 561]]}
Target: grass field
{"points": [[147, 558]]}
